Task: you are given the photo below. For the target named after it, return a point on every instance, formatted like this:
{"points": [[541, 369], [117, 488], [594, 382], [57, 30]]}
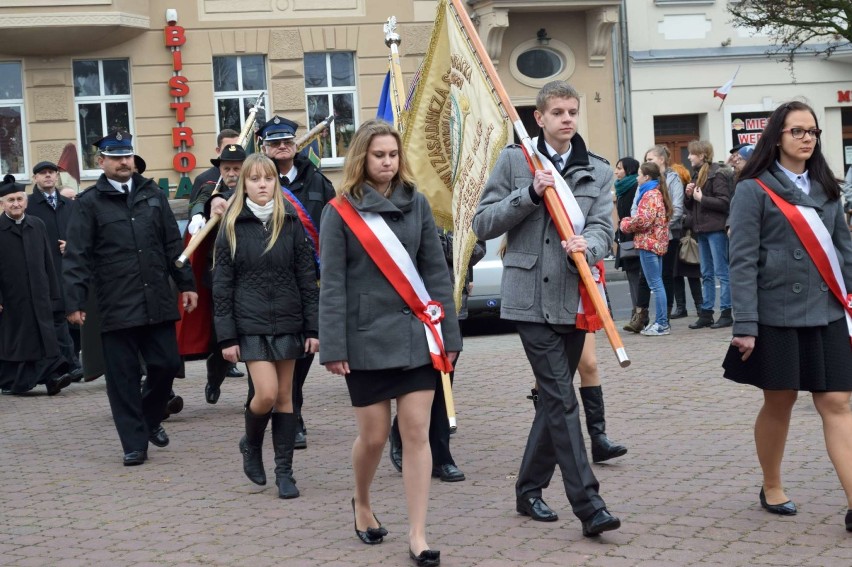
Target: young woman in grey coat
{"points": [[369, 333], [790, 330]]}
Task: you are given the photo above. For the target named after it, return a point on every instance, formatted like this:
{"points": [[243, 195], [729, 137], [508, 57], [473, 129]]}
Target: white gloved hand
{"points": [[196, 224]]}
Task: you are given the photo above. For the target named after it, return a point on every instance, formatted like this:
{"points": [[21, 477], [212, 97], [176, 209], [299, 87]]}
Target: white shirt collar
{"points": [[800, 180], [46, 193], [551, 152], [16, 221], [118, 184], [291, 175]]}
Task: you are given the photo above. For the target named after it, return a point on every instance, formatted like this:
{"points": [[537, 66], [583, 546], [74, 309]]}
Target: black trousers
{"points": [[300, 374], [556, 435], [66, 343], [439, 425], [135, 414]]}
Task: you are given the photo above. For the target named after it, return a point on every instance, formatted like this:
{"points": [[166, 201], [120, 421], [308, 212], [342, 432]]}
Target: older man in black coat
{"points": [[29, 300], [124, 239], [54, 210]]}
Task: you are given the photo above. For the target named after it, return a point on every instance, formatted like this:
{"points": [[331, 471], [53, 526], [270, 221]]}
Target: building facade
{"points": [[175, 72], [680, 51]]}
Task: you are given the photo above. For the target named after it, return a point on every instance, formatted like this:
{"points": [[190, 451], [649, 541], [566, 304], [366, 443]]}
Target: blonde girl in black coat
{"points": [[265, 297]]}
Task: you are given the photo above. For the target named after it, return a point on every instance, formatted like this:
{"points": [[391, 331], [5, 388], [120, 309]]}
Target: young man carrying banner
{"points": [[541, 292]]}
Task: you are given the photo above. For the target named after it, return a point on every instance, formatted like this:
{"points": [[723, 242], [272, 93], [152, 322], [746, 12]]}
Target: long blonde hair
{"points": [[263, 165], [705, 150], [354, 170]]}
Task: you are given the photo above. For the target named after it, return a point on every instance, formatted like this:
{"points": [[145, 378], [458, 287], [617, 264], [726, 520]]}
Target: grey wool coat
{"points": [[362, 319], [773, 280], [540, 284]]}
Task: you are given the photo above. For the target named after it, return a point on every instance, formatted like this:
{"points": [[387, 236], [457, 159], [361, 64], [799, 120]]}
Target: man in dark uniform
{"points": [[307, 190], [228, 164], [226, 137], [124, 240], [540, 292], [54, 210], [30, 300], [206, 182]]}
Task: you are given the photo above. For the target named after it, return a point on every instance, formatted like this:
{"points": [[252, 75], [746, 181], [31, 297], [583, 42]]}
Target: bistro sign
{"points": [[184, 160]]}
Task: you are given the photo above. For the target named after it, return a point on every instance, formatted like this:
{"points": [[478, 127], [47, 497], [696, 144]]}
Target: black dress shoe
{"points": [[57, 383], [174, 405], [395, 449], [535, 508], [426, 558], [601, 521], [448, 473], [849, 520], [371, 536], [234, 373], [158, 437], [134, 458], [76, 374], [679, 313], [211, 394], [784, 509]]}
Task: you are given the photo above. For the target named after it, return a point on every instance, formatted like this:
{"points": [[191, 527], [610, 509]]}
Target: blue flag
{"points": [[385, 111]]}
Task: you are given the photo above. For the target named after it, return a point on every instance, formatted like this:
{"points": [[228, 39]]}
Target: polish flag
{"points": [[723, 91]]}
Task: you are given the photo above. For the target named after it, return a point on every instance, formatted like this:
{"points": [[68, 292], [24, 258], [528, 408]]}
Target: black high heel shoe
{"points": [[784, 509], [426, 558], [373, 535]]}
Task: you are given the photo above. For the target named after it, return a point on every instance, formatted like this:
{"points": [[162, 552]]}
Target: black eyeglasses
{"points": [[799, 133]]}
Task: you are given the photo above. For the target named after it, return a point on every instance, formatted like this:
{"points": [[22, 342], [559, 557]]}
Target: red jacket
{"points": [[650, 226]]}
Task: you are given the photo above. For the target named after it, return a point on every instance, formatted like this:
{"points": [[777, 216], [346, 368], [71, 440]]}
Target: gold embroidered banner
{"points": [[454, 131]]}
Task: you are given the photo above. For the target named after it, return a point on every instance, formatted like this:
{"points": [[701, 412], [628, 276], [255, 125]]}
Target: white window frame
{"points": [[103, 100], [329, 92], [240, 94], [19, 103]]}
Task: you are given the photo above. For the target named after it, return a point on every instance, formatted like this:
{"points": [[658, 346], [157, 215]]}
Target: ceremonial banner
{"points": [[454, 132]]}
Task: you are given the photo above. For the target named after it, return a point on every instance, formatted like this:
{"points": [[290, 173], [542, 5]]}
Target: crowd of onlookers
{"points": [[673, 231]]}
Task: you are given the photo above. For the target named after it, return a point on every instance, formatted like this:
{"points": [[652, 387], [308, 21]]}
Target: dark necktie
{"points": [[125, 188], [557, 161], [285, 182], [51, 200]]}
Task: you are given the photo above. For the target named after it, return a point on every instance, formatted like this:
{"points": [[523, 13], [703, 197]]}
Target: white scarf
{"points": [[263, 212]]}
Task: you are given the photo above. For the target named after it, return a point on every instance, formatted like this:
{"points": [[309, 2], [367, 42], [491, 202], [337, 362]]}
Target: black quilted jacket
{"points": [[264, 294]]}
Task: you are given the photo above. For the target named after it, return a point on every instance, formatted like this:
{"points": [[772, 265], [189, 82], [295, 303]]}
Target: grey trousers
{"points": [[555, 435]]}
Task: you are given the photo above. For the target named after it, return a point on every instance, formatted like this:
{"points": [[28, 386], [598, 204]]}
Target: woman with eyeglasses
{"points": [[791, 269]]}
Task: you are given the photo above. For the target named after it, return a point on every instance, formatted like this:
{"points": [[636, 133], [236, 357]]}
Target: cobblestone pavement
{"points": [[686, 492]]}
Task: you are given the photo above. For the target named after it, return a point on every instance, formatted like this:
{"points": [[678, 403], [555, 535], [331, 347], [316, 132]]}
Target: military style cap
{"points": [[117, 143], [278, 128], [42, 165], [9, 186], [231, 152]]}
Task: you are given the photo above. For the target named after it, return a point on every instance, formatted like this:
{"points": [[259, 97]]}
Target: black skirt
{"points": [[808, 359], [367, 387], [271, 347]]}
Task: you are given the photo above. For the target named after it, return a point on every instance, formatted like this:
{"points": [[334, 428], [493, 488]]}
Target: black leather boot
{"points": [[395, 449], [724, 320], [284, 427], [251, 446], [593, 406], [301, 434], [217, 368], [705, 319]]}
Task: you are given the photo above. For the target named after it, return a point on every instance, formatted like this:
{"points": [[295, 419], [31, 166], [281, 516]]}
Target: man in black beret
{"points": [[30, 300], [54, 210]]}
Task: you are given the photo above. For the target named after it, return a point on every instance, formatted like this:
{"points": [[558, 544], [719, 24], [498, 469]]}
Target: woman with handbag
{"points": [[791, 269], [627, 256], [688, 263], [650, 226]]}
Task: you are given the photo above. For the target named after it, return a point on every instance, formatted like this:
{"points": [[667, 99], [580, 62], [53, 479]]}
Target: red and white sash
{"points": [[817, 242], [392, 259], [587, 316]]}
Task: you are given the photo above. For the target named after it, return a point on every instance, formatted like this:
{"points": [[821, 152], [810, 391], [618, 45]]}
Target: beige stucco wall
{"points": [[283, 30]]}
